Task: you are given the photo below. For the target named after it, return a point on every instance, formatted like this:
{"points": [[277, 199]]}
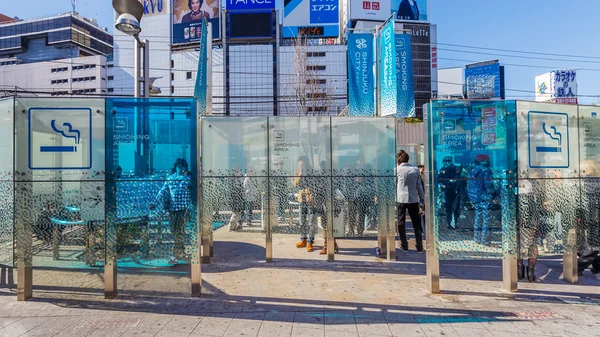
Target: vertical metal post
{"points": [[24, 242], [209, 86], [146, 79], [137, 61], [196, 272], [570, 270], [330, 208], [432, 264], [391, 224], [271, 204]]}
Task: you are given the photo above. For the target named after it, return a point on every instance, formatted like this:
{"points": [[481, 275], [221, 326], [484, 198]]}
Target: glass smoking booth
{"points": [[293, 175], [99, 184], [510, 180]]}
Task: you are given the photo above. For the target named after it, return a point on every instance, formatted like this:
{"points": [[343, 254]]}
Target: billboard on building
{"points": [[565, 86], [249, 5], [450, 83], [544, 87], [484, 80], [187, 19], [378, 10], [311, 18]]}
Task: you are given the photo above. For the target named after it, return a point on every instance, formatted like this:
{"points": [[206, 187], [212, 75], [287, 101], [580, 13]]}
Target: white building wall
{"points": [[335, 73], [78, 75], [156, 28]]}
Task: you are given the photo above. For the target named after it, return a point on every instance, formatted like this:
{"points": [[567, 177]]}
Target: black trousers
{"points": [[413, 211]]}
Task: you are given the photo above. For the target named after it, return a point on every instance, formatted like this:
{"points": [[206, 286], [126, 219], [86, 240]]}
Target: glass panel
{"points": [[6, 181], [295, 140], [152, 200], [234, 144], [300, 150], [299, 203], [363, 146], [589, 138], [548, 140], [473, 162], [60, 224], [59, 139]]}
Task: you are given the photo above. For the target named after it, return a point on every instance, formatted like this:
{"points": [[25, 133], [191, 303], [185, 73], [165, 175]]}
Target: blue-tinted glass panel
{"points": [[6, 181], [473, 163], [151, 182]]}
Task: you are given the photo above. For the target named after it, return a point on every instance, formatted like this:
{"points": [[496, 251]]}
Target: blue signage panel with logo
{"points": [[548, 140], [484, 81], [361, 98], [247, 5], [387, 71], [311, 18], [404, 75], [66, 140]]}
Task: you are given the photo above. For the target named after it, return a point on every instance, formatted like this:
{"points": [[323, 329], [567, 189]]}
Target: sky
{"points": [[522, 29]]}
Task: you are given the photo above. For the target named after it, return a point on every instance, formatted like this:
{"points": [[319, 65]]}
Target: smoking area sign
{"points": [[60, 138], [548, 134]]}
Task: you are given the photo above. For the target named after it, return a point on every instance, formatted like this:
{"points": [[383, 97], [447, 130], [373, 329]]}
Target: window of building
{"points": [[317, 108], [111, 65], [172, 64], [315, 67], [316, 81], [172, 90], [111, 89], [316, 54], [188, 75], [172, 76], [110, 78]]}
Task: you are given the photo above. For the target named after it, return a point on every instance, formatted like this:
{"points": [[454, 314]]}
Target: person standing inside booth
{"points": [[176, 199]]}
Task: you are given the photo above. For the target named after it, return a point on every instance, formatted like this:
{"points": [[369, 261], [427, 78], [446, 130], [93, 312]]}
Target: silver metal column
{"points": [[24, 241], [432, 264], [509, 239], [196, 263], [570, 273], [137, 62]]}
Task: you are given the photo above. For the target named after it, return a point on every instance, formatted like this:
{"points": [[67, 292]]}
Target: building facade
{"points": [[60, 55]]}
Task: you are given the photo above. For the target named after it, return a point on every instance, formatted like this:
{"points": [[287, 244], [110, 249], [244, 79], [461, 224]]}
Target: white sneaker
{"points": [[172, 260]]}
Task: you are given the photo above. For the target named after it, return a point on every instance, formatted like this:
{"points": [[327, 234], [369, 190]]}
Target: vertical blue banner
{"points": [[388, 83], [404, 75], [200, 88], [361, 79]]}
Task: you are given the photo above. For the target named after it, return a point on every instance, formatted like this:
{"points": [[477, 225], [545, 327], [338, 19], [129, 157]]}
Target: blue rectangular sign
{"points": [[483, 81], [311, 18], [361, 91], [404, 75], [247, 5], [388, 83]]}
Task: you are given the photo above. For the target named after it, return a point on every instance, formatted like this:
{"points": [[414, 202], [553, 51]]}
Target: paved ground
{"points": [[300, 294]]}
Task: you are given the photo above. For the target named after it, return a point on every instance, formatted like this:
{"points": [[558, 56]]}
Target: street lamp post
{"points": [[130, 14]]}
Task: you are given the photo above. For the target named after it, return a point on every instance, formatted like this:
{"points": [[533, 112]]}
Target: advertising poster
{"points": [[311, 18], [187, 19], [387, 73], [361, 95], [403, 10], [483, 81], [404, 75]]}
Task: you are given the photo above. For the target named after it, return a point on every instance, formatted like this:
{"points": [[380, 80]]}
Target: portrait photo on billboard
{"points": [[188, 16], [410, 10]]}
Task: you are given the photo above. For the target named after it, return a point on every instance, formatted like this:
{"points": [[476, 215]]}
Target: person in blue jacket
{"points": [[481, 192]]}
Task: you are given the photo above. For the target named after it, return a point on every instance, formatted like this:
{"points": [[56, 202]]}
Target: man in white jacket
{"points": [[409, 194]]}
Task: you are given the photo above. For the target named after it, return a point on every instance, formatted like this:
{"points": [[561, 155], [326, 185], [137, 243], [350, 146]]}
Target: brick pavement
{"points": [[301, 294]]}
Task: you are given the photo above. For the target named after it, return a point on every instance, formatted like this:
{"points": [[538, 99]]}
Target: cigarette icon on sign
{"points": [[68, 133]]}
